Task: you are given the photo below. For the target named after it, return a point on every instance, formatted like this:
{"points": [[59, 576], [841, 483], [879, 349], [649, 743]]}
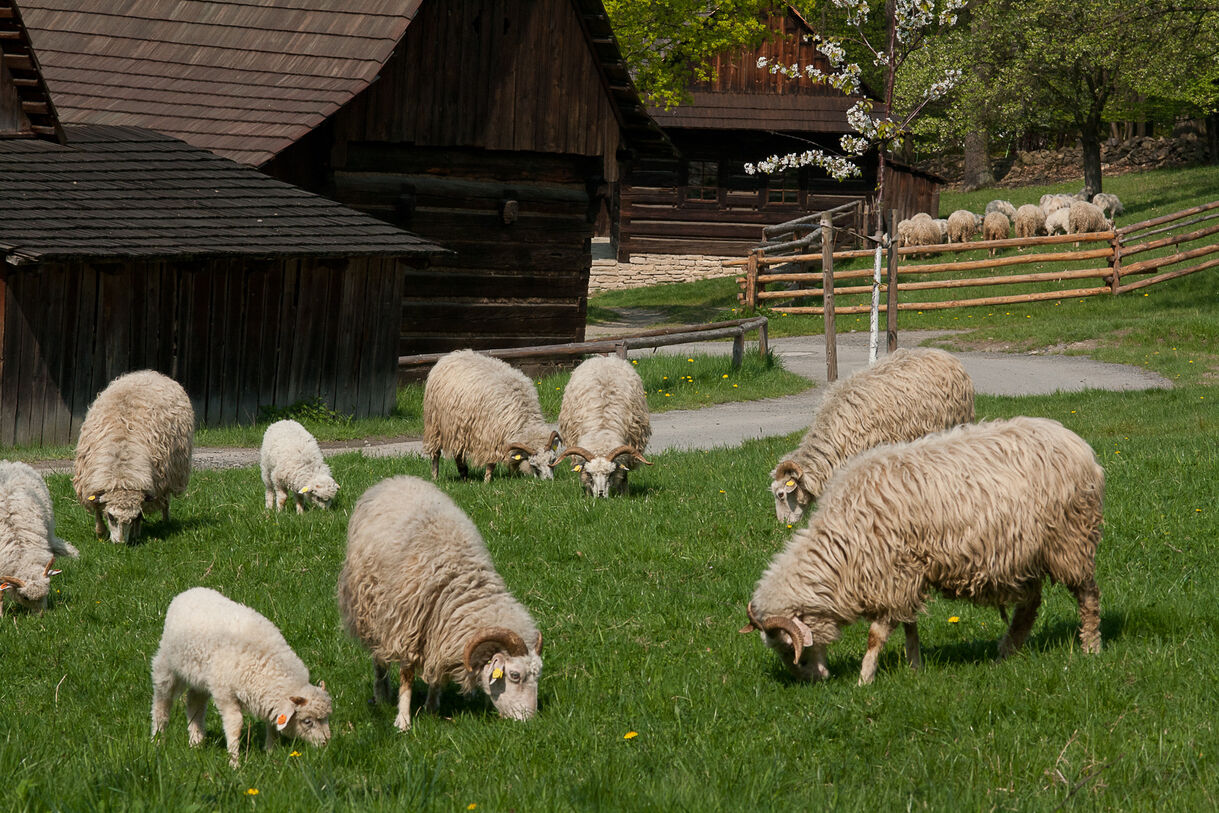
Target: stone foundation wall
{"points": [[656, 269]]}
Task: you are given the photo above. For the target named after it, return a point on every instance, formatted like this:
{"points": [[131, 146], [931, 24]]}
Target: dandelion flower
{"points": [[734, 385], [725, 375], [630, 735], [954, 619], [471, 806], [251, 791], [690, 360], [295, 754]]}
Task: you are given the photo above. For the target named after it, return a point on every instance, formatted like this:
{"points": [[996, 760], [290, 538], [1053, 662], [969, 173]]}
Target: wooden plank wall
{"points": [[506, 284], [737, 70], [238, 335], [525, 80]]}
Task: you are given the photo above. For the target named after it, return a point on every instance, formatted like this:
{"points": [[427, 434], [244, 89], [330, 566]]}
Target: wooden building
{"points": [[703, 202], [123, 249], [491, 127]]}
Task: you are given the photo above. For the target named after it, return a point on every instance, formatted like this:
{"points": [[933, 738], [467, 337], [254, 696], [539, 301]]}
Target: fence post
{"points": [[1115, 280], [827, 285], [738, 349], [751, 280], [621, 350], [763, 340], [891, 302]]}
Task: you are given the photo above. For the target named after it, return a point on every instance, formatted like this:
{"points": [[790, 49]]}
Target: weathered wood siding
{"points": [[238, 335], [12, 120]]}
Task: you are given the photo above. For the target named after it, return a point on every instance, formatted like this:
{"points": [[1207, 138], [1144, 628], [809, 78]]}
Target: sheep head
{"points": [[507, 671], [306, 715], [320, 491], [792, 493], [536, 463], [603, 475], [123, 511], [792, 641], [32, 591]]}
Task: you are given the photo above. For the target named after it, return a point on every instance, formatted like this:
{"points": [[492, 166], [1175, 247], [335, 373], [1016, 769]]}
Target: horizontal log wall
{"points": [[239, 335]]}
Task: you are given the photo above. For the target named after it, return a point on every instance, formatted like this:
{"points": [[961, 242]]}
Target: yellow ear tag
{"points": [[305, 490], [92, 498], [791, 483], [497, 673], [576, 467], [281, 720], [517, 456]]}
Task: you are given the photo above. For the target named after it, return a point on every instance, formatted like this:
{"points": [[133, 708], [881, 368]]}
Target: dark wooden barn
{"points": [[703, 202], [123, 249], [492, 127]]}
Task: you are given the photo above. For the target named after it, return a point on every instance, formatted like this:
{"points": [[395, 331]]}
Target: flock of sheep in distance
{"points": [[1053, 214], [903, 492]]}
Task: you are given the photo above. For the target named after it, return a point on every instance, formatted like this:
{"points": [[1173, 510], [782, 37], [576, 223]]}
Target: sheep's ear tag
{"points": [[554, 445], [92, 498], [518, 456], [281, 721], [790, 483], [305, 490], [497, 673], [4, 586], [576, 467], [622, 466]]}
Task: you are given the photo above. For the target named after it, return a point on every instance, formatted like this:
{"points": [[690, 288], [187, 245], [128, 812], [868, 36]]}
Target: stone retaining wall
{"points": [[656, 269]]}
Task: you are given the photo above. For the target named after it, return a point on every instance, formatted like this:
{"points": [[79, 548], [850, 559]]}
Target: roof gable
{"points": [[25, 104]]}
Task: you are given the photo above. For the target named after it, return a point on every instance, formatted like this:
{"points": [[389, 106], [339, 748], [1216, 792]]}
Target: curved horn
{"points": [[537, 645], [778, 622], [754, 623], [578, 451], [516, 447], [496, 638], [555, 439], [788, 468], [632, 451], [14, 581], [47, 571]]}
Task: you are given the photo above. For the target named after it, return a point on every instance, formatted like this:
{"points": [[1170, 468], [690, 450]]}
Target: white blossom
{"points": [[763, 62]]}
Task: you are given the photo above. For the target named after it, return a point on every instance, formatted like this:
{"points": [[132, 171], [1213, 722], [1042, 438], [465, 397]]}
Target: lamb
{"points": [[983, 512], [134, 451], [995, 226], [1085, 217], [292, 463], [605, 420], [28, 544], [1056, 222], [418, 587], [481, 408], [901, 397], [1111, 205], [213, 646], [1030, 221], [962, 225], [1003, 206]]}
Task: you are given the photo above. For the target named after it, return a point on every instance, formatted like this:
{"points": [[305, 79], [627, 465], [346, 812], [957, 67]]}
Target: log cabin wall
{"points": [[238, 334]]}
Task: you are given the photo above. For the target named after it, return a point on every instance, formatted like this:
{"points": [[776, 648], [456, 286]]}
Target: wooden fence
{"points": [[1113, 262]]}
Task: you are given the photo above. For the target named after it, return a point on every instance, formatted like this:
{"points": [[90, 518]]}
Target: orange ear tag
{"points": [[281, 720]]}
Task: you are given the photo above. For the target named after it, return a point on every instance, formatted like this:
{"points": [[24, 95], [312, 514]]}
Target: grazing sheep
{"points": [[1111, 205], [1004, 206], [418, 587], [1056, 222], [483, 409], [1085, 217], [604, 419], [962, 225], [1050, 203], [983, 512], [213, 646], [942, 225], [919, 230], [995, 226], [901, 397], [292, 463], [1030, 221], [134, 451], [28, 544]]}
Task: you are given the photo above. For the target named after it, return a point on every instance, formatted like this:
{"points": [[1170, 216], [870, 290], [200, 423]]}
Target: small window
{"points": [[703, 181], [783, 188]]}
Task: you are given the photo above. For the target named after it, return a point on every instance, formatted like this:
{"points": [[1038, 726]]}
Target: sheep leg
{"points": [[487, 476], [436, 466], [270, 500], [407, 675], [99, 528], [912, 651], [432, 704], [1088, 597], [1022, 623], [878, 633], [165, 690], [230, 718], [463, 470], [380, 683], [164, 503], [299, 499], [281, 498], [196, 715]]}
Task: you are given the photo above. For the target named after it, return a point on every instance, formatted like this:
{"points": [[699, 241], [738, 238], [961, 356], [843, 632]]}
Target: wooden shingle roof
{"points": [[119, 192], [242, 78], [25, 103]]}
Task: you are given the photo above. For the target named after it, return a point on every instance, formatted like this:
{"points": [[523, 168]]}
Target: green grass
{"points": [[672, 382], [1169, 327], [640, 599]]}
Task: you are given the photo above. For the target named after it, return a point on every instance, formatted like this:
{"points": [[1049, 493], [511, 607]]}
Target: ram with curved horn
{"points": [[28, 543], [418, 588], [604, 419], [907, 394]]}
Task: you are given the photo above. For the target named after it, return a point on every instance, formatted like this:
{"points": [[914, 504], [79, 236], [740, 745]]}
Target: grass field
{"points": [[649, 699]]}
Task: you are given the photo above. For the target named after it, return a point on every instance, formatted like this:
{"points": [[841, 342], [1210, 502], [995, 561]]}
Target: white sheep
{"points": [[1085, 217], [983, 512], [418, 587], [905, 395], [484, 411], [1111, 205], [1004, 206], [962, 225], [995, 226], [134, 451], [919, 230], [1030, 221], [1056, 221], [604, 420], [28, 544], [213, 646], [292, 463], [1052, 202]]}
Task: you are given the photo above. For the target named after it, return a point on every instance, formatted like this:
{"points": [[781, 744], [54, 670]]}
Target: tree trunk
{"points": [[1090, 140], [978, 173], [1212, 138]]}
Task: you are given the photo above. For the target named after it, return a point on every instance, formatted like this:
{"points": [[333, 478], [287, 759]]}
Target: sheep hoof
{"points": [[402, 723]]}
